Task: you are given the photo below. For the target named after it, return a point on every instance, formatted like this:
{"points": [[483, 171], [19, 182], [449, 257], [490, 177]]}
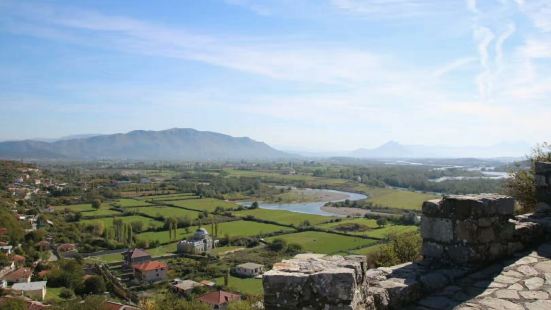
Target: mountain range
{"points": [[393, 149], [172, 144]]}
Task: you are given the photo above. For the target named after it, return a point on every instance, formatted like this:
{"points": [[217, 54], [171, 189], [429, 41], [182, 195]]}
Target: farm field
{"points": [[248, 228], [100, 212], [249, 286], [394, 198], [108, 221], [78, 207], [107, 258], [321, 242], [373, 230], [284, 217], [129, 203], [367, 250], [205, 204], [163, 211], [163, 236], [171, 197]]}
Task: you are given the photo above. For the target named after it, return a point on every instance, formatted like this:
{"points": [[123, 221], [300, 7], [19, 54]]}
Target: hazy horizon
{"points": [[331, 76]]}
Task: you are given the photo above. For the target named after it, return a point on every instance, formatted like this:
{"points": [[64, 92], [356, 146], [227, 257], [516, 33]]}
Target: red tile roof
{"points": [[138, 253], [18, 258], [18, 274], [3, 230], [152, 265], [66, 247], [218, 298]]}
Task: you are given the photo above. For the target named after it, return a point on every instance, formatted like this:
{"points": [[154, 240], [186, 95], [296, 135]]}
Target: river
{"points": [[312, 207]]}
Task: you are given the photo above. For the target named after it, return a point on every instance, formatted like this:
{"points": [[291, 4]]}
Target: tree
{"points": [[522, 184], [96, 204], [278, 245], [93, 285], [66, 293], [137, 226], [381, 222], [254, 205], [14, 304]]}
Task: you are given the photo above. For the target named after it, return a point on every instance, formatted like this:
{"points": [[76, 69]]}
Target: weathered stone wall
{"points": [[467, 229], [543, 184]]}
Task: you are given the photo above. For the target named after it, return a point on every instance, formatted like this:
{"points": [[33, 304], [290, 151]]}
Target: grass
{"points": [[320, 242], [52, 293], [107, 258], [205, 204], [130, 203], [395, 198], [248, 286], [108, 221], [100, 212], [163, 249], [368, 250], [163, 211], [224, 250], [373, 229], [247, 229], [284, 217], [76, 208], [171, 197], [163, 236]]}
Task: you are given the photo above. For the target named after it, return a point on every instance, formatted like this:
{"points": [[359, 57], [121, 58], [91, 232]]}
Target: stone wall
{"points": [[460, 235], [467, 229], [543, 184]]}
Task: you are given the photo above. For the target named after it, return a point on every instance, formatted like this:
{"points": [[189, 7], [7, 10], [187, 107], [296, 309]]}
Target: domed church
{"points": [[200, 242]]}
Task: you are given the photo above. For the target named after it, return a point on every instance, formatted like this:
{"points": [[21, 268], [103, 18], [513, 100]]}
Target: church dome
{"points": [[201, 233]]}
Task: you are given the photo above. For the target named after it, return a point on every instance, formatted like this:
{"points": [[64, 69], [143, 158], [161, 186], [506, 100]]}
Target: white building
{"points": [[249, 270], [201, 242], [34, 290]]}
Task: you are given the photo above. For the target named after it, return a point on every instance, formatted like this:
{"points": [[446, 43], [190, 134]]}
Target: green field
{"points": [[205, 204], [163, 236], [163, 211], [52, 293], [367, 250], [108, 222], [76, 208], [326, 243], [247, 228], [284, 217], [373, 229], [171, 197], [249, 286], [129, 203], [107, 258], [100, 212]]}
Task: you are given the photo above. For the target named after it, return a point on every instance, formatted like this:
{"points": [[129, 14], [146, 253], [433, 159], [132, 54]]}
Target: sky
{"points": [[320, 75]]}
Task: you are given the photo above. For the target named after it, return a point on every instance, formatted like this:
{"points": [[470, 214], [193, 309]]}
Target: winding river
{"points": [[312, 207]]}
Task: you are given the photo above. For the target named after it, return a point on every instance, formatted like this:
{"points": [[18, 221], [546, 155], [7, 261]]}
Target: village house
{"points": [[152, 271], [21, 275], [67, 250], [249, 270], [6, 249], [135, 256], [34, 290], [185, 287], [218, 300], [201, 242]]}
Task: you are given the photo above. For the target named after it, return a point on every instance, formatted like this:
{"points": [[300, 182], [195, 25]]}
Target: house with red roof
{"points": [[219, 300], [21, 275], [18, 259], [152, 271]]}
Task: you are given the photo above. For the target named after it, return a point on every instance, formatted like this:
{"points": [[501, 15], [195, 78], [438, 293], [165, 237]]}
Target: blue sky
{"points": [[298, 74]]}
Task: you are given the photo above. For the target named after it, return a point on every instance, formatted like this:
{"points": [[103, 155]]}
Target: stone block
{"points": [[334, 286], [462, 254], [487, 221], [432, 249], [437, 229], [433, 281], [283, 289], [486, 235], [541, 180], [466, 230], [432, 208], [543, 167]]}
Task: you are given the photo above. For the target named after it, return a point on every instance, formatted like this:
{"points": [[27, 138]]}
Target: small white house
{"points": [[6, 249], [249, 270], [34, 290]]}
